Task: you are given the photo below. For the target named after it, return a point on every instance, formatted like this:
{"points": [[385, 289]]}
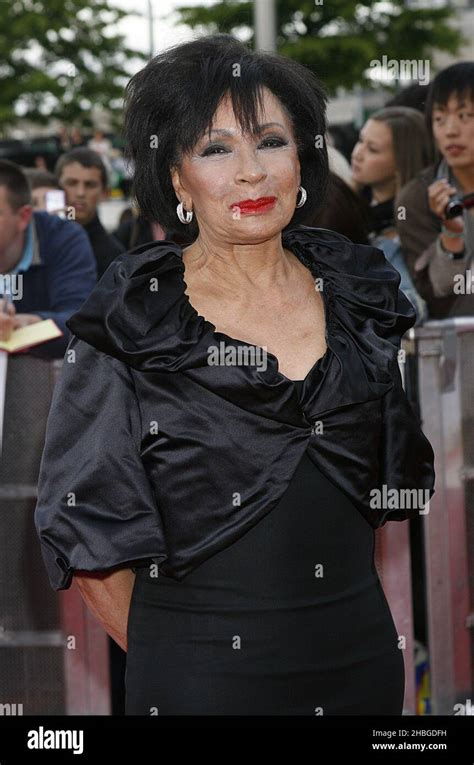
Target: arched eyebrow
{"points": [[260, 129]]}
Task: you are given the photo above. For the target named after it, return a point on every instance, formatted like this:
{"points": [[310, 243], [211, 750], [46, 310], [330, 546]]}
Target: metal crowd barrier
{"points": [[438, 377], [53, 652], [444, 351]]}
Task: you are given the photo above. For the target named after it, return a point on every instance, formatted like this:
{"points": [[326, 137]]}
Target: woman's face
{"points": [[230, 168], [373, 160]]}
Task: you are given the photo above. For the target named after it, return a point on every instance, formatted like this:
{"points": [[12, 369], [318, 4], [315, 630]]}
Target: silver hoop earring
{"points": [[304, 196], [180, 211]]}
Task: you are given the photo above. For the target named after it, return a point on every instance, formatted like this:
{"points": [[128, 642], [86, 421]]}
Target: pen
{"points": [[6, 302]]}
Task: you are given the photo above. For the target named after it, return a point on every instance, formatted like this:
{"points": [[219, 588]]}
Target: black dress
{"points": [[169, 441], [291, 619]]}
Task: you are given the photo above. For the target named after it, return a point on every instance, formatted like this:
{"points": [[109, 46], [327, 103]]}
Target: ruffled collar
{"points": [[140, 313]]}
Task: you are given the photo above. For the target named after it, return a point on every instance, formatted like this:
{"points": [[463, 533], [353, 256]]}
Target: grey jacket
{"points": [[438, 279]]}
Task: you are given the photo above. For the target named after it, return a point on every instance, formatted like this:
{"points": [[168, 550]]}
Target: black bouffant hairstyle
{"points": [[171, 102]]}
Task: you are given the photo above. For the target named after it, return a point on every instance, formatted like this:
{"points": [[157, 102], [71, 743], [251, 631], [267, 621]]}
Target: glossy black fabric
{"points": [[290, 619], [153, 453]]}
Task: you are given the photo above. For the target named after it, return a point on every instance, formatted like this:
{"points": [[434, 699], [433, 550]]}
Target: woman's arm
{"points": [[108, 596], [96, 511]]}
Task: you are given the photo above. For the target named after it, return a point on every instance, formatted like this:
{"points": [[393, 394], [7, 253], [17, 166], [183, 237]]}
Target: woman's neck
{"points": [[382, 192]]}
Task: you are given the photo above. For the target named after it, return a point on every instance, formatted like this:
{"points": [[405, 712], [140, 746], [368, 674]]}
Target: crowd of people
{"points": [[406, 187], [408, 164]]}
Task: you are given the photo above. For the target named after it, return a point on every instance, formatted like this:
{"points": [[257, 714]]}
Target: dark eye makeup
{"points": [[211, 149]]}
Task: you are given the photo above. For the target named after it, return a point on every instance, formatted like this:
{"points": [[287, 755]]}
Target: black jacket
{"points": [[153, 453], [104, 245]]}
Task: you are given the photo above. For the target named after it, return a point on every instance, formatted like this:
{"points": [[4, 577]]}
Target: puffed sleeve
{"points": [[96, 507], [407, 457]]}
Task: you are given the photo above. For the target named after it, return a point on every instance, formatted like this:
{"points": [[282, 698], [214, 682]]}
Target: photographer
{"points": [[438, 248]]}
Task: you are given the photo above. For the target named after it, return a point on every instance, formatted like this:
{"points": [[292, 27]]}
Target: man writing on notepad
{"points": [[47, 268]]}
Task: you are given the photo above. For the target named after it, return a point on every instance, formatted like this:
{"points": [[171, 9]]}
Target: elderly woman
{"points": [[230, 427]]}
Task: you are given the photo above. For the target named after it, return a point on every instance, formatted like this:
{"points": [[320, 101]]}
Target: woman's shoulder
{"points": [[364, 266], [363, 286], [141, 293], [127, 263]]}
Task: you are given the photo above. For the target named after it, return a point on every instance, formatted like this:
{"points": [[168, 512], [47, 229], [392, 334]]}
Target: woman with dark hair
{"points": [[235, 485], [393, 146]]}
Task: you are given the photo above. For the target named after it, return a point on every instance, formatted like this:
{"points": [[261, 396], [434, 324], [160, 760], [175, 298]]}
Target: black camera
{"points": [[456, 205]]}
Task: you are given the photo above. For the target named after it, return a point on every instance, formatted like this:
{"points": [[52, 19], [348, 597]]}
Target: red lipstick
{"points": [[254, 205]]}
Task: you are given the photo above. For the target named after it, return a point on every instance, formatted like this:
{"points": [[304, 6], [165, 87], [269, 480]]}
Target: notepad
{"points": [[34, 334]]}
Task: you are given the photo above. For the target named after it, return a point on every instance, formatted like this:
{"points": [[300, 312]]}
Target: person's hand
{"points": [[24, 319], [7, 319], [439, 194]]}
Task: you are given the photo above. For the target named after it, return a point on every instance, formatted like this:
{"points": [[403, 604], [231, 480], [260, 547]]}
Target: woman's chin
{"points": [[357, 177]]}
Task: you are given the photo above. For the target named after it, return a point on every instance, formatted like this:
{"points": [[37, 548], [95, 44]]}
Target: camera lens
{"points": [[453, 208]]}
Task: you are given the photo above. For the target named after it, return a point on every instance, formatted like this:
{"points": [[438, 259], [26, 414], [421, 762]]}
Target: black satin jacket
{"points": [[153, 453]]}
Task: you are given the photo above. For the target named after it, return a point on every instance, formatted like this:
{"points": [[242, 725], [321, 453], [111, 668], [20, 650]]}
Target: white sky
{"points": [[165, 33]]}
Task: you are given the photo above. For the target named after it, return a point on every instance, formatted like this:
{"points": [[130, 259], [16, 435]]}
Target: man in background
{"points": [[46, 264], [82, 175]]}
